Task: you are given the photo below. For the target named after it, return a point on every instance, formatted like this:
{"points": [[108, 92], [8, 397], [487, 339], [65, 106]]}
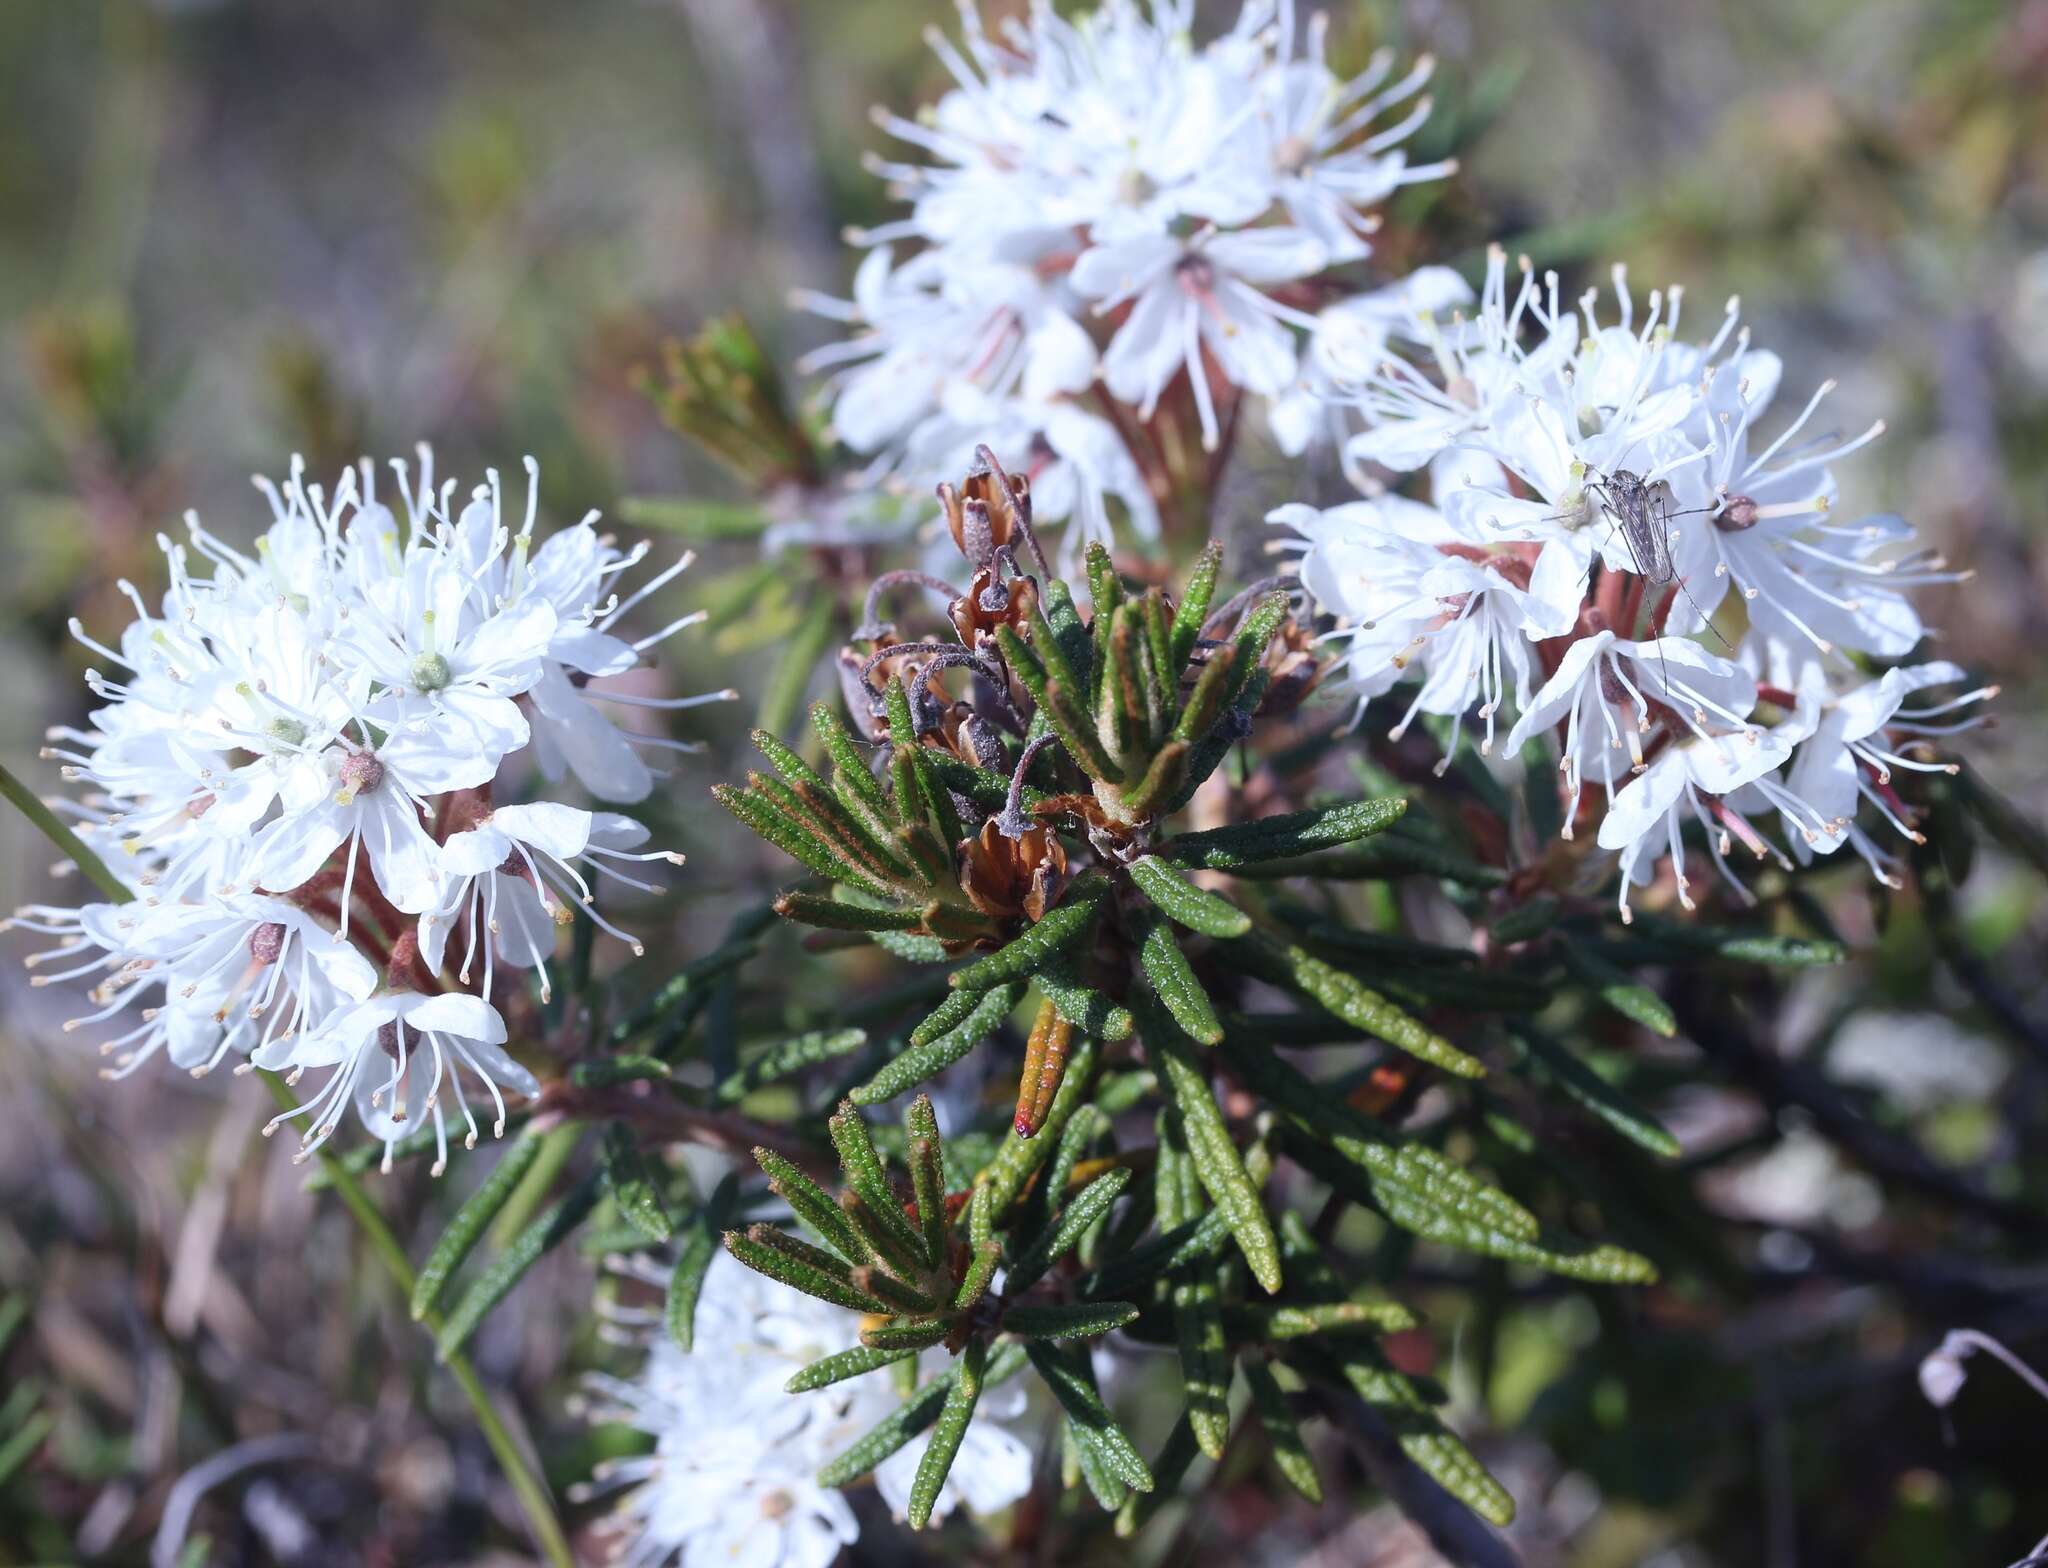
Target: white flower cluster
{"points": [[1107, 202], [1615, 552], [295, 773], [733, 1476]]}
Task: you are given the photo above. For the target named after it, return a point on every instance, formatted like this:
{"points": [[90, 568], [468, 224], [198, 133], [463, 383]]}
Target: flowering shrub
{"points": [[1287, 910]]}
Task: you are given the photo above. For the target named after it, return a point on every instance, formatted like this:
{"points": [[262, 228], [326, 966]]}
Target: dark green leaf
{"points": [[469, 1224], [510, 1266], [952, 1427], [633, 1189], [1077, 1320], [848, 1363], [1184, 903], [787, 1058], [1275, 838], [1065, 1371], [693, 1260], [800, 1266]]}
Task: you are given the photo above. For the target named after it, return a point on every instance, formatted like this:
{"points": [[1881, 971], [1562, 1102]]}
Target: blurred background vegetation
{"points": [[234, 230]]}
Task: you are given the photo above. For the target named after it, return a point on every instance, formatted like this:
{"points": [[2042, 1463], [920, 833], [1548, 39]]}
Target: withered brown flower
{"points": [[986, 605], [1005, 878], [1294, 668]]}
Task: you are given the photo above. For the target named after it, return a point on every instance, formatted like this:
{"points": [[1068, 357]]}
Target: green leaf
{"points": [[989, 791], [1409, 1176], [922, 1062], [812, 1205], [602, 1072], [981, 1269], [1422, 1437], [676, 1001], [1177, 1198], [1283, 963], [1214, 1155], [1205, 1361], [1380, 860], [20, 1445], [1466, 1221], [1057, 703], [788, 1058], [911, 1418], [1185, 904], [1088, 1124], [846, 1364], [852, 779], [1187, 1243], [1070, 633], [950, 1012], [766, 1250], [891, 1432], [693, 1260], [1065, 1371], [870, 1183], [1167, 1470], [1023, 958], [907, 1333], [1057, 1239], [832, 914], [1275, 838], [794, 839], [1174, 983], [1074, 1320], [927, 1178], [1525, 922], [1193, 608], [1620, 990], [469, 1224], [695, 520], [1551, 1063], [952, 1427], [510, 1266], [784, 693], [1789, 952], [632, 1184], [1296, 1320], [1109, 1489], [896, 1279], [804, 799], [912, 949], [1283, 1433], [1086, 1008]]}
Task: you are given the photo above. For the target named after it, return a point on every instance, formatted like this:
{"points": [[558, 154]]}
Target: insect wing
{"points": [[1658, 505], [1643, 513]]}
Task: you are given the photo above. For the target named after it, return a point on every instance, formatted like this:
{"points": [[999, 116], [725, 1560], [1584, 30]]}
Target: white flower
{"points": [[302, 747], [1312, 148], [1109, 158], [1845, 757], [234, 975], [366, 800], [1200, 293], [1416, 590], [1608, 693], [512, 879], [1348, 343], [1690, 777], [733, 1475], [392, 1053]]}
